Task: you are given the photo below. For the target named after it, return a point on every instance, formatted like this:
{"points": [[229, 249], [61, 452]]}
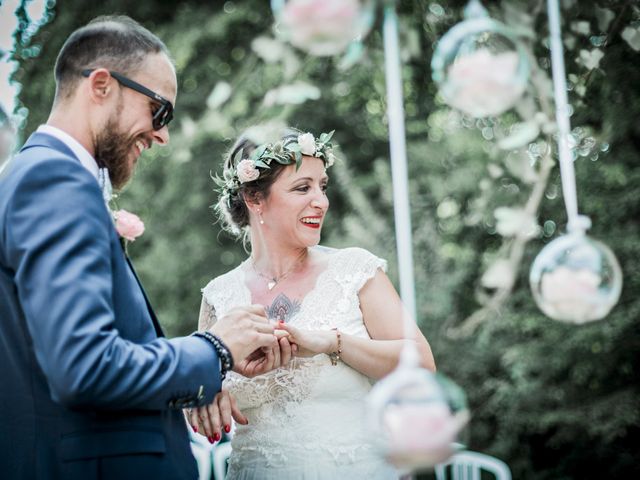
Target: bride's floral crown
{"points": [[245, 169]]}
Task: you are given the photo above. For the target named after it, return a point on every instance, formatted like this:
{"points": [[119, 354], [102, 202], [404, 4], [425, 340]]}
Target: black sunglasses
{"points": [[162, 116]]}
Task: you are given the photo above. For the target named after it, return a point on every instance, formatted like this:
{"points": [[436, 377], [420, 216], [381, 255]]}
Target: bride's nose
{"points": [[320, 200]]}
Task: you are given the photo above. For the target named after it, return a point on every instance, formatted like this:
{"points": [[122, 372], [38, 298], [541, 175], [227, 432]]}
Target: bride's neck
{"points": [[275, 260]]}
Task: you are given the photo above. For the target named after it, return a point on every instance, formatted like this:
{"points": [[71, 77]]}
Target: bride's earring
{"points": [[260, 217]]}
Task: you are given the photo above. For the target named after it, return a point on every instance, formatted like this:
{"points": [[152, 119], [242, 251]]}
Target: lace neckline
{"points": [[316, 287]]}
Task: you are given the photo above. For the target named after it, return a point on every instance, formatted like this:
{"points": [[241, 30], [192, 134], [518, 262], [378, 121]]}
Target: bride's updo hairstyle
{"points": [[250, 170]]}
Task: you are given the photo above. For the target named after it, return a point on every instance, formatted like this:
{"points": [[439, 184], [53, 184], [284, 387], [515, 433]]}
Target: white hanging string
{"points": [[567, 172], [398, 150]]}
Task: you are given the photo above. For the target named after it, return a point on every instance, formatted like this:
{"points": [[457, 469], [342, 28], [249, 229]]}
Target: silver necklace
{"points": [[273, 281]]}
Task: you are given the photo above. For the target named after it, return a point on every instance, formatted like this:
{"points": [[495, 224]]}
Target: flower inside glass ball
{"points": [[576, 279], [323, 27], [480, 68], [417, 416]]}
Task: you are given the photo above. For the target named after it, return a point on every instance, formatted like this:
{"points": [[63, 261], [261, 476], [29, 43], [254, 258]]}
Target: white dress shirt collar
{"points": [[79, 151]]}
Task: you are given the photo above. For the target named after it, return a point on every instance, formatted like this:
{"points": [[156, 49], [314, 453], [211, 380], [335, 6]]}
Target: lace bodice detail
{"points": [[309, 407]]}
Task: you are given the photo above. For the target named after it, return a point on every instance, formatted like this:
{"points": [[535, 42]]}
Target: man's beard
{"points": [[111, 151]]}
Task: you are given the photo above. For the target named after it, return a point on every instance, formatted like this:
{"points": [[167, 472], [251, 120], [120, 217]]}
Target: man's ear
{"points": [[101, 85]]}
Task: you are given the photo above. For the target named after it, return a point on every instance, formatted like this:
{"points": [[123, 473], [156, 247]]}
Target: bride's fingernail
{"points": [[227, 428], [195, 429], [216, 437], [211, 440]]}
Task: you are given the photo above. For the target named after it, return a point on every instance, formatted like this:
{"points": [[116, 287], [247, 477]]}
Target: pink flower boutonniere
{"points": [[128, 225]]}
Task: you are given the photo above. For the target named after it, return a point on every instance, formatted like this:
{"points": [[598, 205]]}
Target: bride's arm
{"points": [[207, 317], [383, 311], [375, 357]]}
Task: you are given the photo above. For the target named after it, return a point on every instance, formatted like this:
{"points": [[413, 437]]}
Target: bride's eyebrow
{"points": [[323, 179], [301, 180]]}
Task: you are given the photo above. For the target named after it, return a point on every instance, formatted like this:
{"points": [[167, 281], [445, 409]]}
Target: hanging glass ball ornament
{"points": [[480, 66], [576, 279], [323, 27], [7, 136], [416, 416]]}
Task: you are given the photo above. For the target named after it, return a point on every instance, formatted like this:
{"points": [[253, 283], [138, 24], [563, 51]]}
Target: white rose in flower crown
{"points": [[307, 144], [247, 171]]}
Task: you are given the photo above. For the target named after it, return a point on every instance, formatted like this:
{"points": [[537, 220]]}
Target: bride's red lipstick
{"points": [[314, 222]]}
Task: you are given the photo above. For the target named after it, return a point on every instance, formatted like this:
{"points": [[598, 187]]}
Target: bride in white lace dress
{"points": [[341, 323]]}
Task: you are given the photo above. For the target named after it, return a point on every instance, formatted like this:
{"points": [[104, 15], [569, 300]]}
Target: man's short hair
{"points": [[115, 42]]}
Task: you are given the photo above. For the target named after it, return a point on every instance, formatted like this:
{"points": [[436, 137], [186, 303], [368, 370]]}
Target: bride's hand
{"points": [[310, 343], [266, 359], [211, 419]]}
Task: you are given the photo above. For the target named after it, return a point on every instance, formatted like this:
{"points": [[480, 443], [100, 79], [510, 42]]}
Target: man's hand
{"points": [[266, 359], [245, 330]]}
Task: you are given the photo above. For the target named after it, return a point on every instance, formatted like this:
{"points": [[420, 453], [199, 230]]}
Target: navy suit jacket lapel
{"points": [[43, 140], [156, 324]]}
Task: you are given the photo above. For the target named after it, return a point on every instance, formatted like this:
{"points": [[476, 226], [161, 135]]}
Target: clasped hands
{"points": [[258, 346]]}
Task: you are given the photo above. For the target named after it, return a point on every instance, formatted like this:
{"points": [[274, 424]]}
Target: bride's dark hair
{"points": [[231, 207]]}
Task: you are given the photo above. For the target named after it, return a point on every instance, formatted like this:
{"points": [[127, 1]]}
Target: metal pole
{"points": [[395, 114]]}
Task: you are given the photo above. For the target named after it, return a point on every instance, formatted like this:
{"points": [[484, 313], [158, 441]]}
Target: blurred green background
{"points": [[554, 401]]}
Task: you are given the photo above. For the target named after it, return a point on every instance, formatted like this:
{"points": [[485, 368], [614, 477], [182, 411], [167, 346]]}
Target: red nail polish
{"points": [[195, 429], [211, 440], [227, 428], [216, 437]]}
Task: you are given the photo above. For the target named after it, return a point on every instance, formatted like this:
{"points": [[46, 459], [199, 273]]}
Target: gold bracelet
{"points": [[335, 356]]}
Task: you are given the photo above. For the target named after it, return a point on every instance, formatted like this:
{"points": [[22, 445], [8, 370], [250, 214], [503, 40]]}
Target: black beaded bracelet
{"points": [[224, 354]]}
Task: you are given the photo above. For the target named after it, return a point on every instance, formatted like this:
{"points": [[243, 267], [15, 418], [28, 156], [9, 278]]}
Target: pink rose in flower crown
{"points": [[322, 27], [247, 171], [128, 225]]}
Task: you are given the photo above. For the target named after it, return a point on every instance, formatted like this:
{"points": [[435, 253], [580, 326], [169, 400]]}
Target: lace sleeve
{"points": [[207, 316], [367, 265]]}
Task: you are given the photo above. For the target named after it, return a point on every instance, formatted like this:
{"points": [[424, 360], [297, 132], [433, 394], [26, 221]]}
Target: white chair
{"points": [[221, 454], [468, 465], [201, 449]]}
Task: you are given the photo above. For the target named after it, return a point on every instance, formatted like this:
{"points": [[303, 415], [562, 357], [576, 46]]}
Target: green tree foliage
{"points": [[555, 401]]}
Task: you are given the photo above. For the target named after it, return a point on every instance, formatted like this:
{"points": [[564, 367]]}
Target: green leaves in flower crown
{"points": [[237, 158], [260, 158], [285, 152], [325, 138], [295, 148]]}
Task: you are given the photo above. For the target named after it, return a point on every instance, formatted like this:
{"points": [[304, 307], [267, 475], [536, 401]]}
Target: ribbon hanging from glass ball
{"points": [[573, 279]]}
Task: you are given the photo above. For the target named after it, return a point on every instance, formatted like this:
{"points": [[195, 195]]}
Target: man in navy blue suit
{"points": [[89, 386]]}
